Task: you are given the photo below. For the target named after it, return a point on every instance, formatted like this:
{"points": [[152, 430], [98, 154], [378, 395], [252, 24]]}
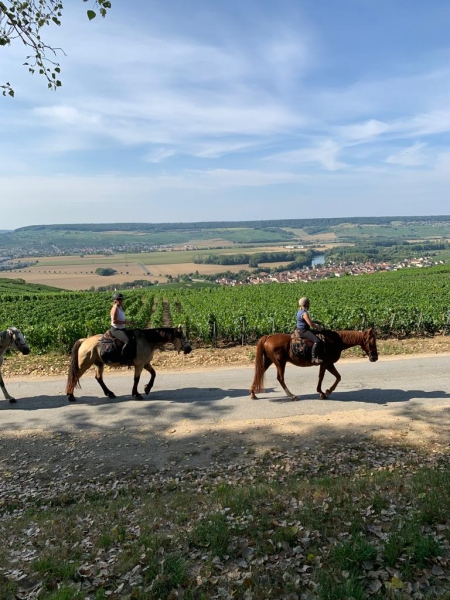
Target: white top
{"points": [[120, 316]]}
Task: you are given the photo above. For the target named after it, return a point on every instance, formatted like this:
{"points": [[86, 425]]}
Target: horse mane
{"points": [[349, 336], [158, 334]]}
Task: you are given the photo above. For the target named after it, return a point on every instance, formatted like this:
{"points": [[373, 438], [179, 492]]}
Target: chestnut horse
{"points": [[276, 349], [86, 352]]}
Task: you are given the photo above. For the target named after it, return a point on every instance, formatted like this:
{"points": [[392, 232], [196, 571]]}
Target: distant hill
{"points": [[37, 241], [280, 223]]}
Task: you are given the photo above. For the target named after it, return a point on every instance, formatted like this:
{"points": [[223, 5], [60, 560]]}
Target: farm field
{"points": [[77, 273], [77, 277]]}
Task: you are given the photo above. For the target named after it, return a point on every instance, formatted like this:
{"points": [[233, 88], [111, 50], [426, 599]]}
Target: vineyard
{"points": [[403, 303]]}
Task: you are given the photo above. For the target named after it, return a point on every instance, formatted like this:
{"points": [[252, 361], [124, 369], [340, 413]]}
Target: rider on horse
{"points": [[118, 321], [304, 324]]}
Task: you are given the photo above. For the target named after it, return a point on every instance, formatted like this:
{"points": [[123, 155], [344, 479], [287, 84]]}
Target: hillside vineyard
{"points": [[402, 303]]}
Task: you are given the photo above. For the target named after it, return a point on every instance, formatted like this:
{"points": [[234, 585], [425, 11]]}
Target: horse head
{"points": [[180, 341], [18, 340], [369, 345]]}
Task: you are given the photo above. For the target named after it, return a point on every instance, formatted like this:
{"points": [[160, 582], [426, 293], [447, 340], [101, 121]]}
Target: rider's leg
{"points": [[122, 336], [309, 335]]}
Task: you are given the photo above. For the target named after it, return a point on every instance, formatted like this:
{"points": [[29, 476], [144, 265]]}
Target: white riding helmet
{"points": [[303, 302]]}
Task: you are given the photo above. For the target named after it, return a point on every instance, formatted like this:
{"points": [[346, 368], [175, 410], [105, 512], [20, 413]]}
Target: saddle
{"points": [[111, 348], [301, 347]]}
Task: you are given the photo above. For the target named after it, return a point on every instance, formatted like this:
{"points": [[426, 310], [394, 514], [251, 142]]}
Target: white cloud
{"points": [[363, 131], [412, 156], [325, 154]]}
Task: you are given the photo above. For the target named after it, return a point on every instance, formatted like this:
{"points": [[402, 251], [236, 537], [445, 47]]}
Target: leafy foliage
{"points": [[24, 21]]}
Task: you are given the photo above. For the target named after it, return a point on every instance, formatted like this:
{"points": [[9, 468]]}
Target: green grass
{"points": [[282, 525], [19, 286]]}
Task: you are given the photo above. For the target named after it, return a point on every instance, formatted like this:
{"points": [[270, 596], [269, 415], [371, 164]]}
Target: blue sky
{"points": [[209, 111]]}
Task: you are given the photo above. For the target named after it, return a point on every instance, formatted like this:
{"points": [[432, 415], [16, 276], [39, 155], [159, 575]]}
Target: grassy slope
{"points": [[17, 286]]}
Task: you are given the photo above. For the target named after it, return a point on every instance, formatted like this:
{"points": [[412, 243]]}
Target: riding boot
{"points": [[314, 358]]}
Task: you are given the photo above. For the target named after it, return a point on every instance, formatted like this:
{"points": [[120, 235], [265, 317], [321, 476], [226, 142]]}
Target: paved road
{"points": [[405, 386]]}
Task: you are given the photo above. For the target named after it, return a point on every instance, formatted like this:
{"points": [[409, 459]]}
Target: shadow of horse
{"points": [[373, 396], [189, 395]]}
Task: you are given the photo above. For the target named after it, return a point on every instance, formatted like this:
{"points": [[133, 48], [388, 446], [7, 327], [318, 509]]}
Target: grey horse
{"points": [[14, 339]]}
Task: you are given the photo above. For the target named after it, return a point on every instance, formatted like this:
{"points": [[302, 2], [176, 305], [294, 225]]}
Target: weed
{"points": [[331, 589], [8, 588], [213, 533], [350, 554], [54, 568], [410, 543], [65, 593]]}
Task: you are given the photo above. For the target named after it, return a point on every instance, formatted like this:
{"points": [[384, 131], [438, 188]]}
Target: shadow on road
{"points": [[191, 395], [373, 396]]}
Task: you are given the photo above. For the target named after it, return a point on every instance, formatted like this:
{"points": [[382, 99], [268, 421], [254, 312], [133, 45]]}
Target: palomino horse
{"points": [[11, 338], [86, 352], [276, 349]]}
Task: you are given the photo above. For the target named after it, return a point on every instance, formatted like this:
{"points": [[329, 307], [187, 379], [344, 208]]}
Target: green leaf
{"points": [[91, 15]]}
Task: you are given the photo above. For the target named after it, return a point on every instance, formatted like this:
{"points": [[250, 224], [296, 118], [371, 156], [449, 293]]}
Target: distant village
{"points": [[315, 273]]}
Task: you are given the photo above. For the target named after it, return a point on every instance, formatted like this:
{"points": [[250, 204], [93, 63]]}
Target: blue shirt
{"points": [[302, 325]]}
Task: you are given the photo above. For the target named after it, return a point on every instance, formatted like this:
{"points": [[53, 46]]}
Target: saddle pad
{"points": [[299, 346], [108, 348]]}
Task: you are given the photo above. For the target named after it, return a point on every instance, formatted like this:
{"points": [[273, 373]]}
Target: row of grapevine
{"points": [[403, 303], [54, 321], [412, 302]]}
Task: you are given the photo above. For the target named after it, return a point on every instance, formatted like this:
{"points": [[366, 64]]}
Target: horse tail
{"points": [[260, 366], [73, 379]]}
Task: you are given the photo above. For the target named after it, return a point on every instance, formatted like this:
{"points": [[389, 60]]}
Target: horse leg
{"points": [[137, 376], [322, 395], [332, 369], [281, 366], [148, 367], [5, 391], [99, 377]]}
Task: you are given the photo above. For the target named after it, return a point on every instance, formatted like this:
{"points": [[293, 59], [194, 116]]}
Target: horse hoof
{"points": [[147, 390], [253, 397], [328, 393], [71, 398], [138, 397], [323, 396], [111, 395], [294, 398], [12, 400]]}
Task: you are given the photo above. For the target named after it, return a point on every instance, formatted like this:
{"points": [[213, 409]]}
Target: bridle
{"points": [[372, 354], [185, 345]]}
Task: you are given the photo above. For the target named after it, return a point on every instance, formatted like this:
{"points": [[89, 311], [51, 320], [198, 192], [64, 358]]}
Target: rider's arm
{"points": [[307, 318]]}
